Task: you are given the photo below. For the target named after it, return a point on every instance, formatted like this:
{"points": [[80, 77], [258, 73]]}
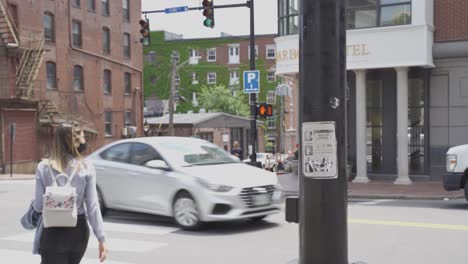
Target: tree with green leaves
{"points": [[218, 98]]}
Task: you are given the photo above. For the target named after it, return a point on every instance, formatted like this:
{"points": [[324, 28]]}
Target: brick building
{"points": [[407, 65], [213, 61], [67, 60]]}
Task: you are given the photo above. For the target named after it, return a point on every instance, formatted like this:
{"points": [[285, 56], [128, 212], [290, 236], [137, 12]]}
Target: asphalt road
{"points": [[380, 232]]}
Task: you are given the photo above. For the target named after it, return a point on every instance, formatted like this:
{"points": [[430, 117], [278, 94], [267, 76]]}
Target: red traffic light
{"points": [[143, 23], [207, 3]]}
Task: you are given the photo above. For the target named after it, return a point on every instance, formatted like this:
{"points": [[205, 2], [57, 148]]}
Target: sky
{"points": [[234, 21]]}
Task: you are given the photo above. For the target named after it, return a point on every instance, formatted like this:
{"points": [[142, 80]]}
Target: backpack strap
{"points": [[69, 178]]}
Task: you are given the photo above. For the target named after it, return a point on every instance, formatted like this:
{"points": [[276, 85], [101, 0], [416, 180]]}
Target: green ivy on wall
{"points": [[157, 74]]}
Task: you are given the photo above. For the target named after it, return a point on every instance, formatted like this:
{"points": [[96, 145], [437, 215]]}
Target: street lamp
{"points": [[146, 127]]}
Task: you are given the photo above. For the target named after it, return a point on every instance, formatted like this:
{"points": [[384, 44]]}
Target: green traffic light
{"points": [[208, 23], [145, 41]]}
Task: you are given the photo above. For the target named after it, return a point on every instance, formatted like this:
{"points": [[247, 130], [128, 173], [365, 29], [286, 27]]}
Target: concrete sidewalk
{"points": [[382, 189]]}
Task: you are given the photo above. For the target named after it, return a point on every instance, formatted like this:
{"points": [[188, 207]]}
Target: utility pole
{"points": [[322, 126], [171, 98], [253, 96]]}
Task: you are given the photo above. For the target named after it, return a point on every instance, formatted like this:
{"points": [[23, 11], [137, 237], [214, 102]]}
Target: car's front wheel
{"points": [[186, 214], [466, 191]]}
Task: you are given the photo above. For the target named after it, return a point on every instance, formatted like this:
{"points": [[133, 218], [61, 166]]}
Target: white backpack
{"points": [[59, 202]]}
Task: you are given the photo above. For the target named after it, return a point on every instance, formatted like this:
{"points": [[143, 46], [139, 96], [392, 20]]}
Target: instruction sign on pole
{"points": [[319, 150]]}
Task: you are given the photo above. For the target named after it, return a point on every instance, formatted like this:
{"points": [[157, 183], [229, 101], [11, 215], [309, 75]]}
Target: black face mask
{"points": [[81, 148]]}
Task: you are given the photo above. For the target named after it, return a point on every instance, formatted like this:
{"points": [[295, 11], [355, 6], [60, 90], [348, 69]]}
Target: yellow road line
{"points": [[407, 224]]}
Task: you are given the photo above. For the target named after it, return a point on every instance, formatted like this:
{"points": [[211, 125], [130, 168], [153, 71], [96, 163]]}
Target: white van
{"points": [[457, 169]]}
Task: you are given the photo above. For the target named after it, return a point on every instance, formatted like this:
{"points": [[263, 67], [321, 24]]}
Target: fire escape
{"points": [[31, 51]]}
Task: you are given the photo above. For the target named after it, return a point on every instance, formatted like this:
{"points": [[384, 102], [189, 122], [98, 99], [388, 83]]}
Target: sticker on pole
{"points": [[319, 150]]}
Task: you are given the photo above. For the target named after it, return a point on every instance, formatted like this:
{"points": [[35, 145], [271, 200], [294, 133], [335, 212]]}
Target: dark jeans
{"points": [[64, 245]]}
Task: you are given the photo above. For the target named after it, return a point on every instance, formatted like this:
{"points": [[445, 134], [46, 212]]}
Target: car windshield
{"points": [[196, 153]]}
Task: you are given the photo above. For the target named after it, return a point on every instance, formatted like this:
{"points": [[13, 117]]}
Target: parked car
{"points": [[189, 179], [267, 160]]}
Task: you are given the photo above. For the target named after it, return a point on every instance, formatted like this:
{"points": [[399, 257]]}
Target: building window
{"points": [[49, 27], [175, 56], [126, 10], [208, 136], [128, 118], [234, 51], [271, 122], [378, 13], [288, 22], [78, 78], [211, 57], [271, 97], [107, 82], [270, 52], [194, 78], [233, 78], [194, 56], [256, 52], [128, 83], [271, 77], [108, 122], [105, 7], [126, 45], [51, 75], [106, 40], [151, 57], [77, 38], [76, 3], [92, 5], [211, 78]]}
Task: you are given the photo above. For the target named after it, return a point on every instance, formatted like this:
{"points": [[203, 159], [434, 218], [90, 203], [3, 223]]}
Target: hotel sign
{"points": [[368, 49]]}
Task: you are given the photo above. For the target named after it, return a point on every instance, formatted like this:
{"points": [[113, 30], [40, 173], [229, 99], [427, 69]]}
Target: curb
{"points": [[391, 197]]}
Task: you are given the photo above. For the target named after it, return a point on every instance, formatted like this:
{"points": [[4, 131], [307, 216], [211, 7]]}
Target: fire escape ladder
{"points": [[28, 70], [8, 32]]}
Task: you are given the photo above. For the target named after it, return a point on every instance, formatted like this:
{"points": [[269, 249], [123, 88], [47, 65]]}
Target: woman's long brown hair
{"points": [[65, 138]]}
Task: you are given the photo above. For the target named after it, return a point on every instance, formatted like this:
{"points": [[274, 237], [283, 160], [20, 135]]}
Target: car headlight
{"points": [[451, 162], [214, 187]]}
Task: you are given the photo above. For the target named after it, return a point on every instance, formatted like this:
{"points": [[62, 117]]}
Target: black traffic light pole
{"points": [[322, 202], [253, 96]]}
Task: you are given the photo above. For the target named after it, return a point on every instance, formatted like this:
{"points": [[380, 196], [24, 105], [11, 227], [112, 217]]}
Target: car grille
{"points": [[247, 194]]}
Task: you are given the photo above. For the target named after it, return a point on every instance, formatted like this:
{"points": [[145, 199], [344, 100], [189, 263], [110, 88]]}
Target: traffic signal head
{"points": [[145, 32], [208, 12]]}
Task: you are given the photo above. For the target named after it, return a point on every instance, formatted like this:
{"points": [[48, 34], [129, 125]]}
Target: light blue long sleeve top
{"points": [[84, 181]]}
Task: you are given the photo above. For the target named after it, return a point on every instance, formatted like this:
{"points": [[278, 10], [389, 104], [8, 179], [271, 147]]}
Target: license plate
{"points": [[261, 199]]}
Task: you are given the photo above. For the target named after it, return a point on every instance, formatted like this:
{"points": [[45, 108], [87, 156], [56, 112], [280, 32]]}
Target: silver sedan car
{"points": [[191, 180]]}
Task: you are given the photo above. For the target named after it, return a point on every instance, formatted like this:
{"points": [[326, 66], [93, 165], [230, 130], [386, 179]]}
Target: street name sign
{"points": [[177, 9], [251, 81]]}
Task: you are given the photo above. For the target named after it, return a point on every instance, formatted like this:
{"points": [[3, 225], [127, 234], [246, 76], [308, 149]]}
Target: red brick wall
{"points": [[24, 146], [451, 20], [91, 103]]}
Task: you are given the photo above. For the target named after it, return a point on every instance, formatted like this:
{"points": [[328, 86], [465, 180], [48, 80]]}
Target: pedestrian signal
{"points": [[265, 110]]}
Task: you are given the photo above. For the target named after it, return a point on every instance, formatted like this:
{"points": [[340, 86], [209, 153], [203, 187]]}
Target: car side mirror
{"points": [[157, 164]]}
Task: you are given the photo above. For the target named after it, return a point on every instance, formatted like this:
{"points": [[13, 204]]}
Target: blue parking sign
{"points": [[251, 81]]}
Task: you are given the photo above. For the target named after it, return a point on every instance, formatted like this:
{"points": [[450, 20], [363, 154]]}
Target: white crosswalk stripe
{"points": [[114, 244], [18, 182]]}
